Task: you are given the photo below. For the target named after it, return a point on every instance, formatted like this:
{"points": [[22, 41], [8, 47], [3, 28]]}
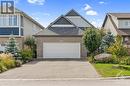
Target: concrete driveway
{"points": [[51, 70]]}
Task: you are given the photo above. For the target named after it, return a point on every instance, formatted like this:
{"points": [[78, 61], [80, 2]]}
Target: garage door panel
{"points": [[61, 50]]}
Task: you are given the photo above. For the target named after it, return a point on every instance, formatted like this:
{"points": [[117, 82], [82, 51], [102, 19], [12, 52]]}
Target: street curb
{"points": [[113, 78], [51, 79], [67, 79]]}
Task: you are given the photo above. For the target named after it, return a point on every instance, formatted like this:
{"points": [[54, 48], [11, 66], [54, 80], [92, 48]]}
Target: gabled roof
{"points": [[77, 19], [60, 31], [121, 15], [45, 32], [65, 30], [71, 24], [62, 20], [72, 13]]}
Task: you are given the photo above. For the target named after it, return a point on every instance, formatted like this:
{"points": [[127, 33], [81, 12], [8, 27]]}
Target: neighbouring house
{"points": [[20, 25], [63, 37], [118, 24]]}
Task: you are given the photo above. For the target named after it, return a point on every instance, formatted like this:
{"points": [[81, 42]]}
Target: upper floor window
{"points": [[127, 23], [22, 21], [8, 20], [9, 31], [124, 23]]}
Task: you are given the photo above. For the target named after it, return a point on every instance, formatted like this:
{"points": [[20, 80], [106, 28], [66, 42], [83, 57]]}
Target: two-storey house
{"points": [[62, 39], [118, 24], [20, 25]]}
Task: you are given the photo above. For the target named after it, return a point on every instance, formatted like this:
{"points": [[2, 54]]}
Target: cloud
{"points": [[91, 12], [101, 2], [87, 7], [37, 2]]}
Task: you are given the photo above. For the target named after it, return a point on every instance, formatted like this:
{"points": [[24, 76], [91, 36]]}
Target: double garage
{"points": [[60, 47]]}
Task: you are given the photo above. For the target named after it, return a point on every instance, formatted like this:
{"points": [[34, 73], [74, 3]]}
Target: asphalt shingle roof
{"points": [[65, 30], [121, 15], [71, 18]]}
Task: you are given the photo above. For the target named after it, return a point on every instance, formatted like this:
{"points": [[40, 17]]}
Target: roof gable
{"points": [[77, 19], [111, 20], [61, 21], [72, 13]]}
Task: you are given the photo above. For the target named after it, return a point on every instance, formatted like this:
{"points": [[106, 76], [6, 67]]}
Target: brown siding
{"points": [[41, 40]]}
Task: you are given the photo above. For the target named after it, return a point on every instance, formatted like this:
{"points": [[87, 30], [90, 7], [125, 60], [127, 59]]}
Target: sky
{"points": [[46, 11]]}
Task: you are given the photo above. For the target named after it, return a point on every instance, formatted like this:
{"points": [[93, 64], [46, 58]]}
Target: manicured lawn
{"points": [[107, 70]]}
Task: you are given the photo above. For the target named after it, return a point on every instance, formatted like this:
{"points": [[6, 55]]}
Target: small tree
{"points": [[30, 42], [106, 42], [92, 40], [11, 46]]}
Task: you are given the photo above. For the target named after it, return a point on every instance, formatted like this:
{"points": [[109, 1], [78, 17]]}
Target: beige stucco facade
{"points": [[30, 28], [41, 40]]}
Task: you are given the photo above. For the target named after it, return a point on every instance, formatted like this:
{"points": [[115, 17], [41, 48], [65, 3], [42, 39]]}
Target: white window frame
{"points": [[127, 23]]}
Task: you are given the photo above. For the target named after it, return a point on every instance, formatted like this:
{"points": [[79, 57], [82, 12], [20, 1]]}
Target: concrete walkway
{"points": [[51, 70]]}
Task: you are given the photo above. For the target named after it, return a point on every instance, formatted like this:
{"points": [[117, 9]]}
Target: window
{"points": [[22, 21], [15, 20], [9, 31], [127, 23], [8, 20]]}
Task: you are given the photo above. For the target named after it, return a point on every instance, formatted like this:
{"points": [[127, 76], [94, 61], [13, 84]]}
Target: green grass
{"points": [[107, 70]]}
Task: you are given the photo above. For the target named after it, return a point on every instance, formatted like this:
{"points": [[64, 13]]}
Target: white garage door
{"points": [[61, 50]]}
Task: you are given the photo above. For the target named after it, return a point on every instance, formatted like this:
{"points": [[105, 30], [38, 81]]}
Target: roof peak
{"points": [[72, 12]]}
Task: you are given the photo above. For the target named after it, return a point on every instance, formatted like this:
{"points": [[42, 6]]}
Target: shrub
{"points": [[117, 48], [7, 60], [31, 44], [91, 59], [127, 61], [2, 67], [18, 63], [26, 55]]}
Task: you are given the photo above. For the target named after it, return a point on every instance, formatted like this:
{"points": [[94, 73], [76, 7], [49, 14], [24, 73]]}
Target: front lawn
{"points": [[107, 70]]}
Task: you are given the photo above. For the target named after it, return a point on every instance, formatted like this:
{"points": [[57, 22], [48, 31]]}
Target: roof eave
{"points": [[57, 35]]}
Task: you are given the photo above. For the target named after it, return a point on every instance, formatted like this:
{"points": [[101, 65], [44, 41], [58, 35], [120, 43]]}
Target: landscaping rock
{"points": [[103, 56]]}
